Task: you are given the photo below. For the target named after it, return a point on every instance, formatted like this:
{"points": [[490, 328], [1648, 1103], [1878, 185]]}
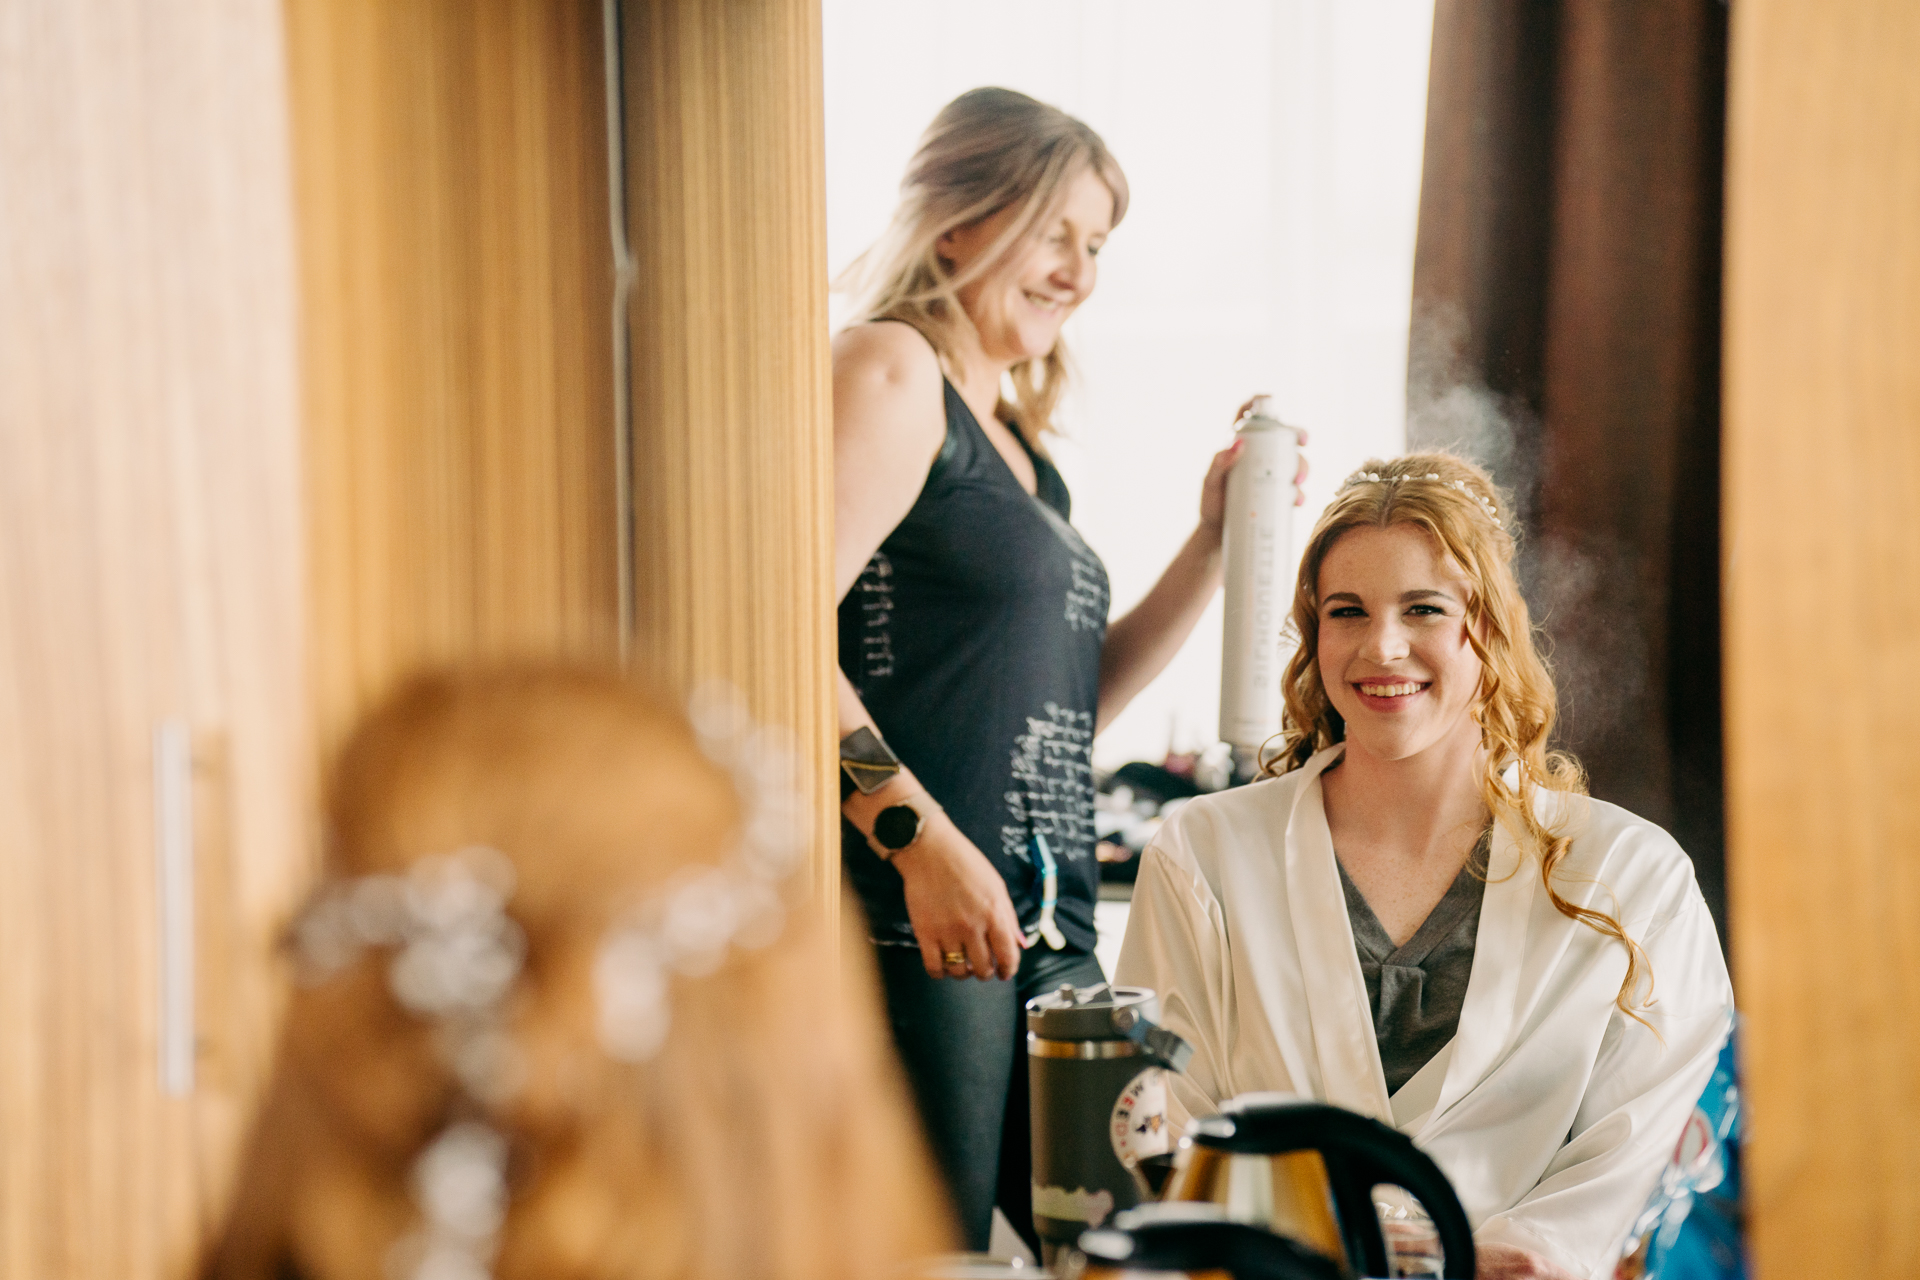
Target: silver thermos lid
{"points": [[1107, 1012], [1087, 1013]]}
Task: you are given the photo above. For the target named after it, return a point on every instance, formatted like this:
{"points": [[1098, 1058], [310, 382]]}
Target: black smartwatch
{"points": [[895, 827]]}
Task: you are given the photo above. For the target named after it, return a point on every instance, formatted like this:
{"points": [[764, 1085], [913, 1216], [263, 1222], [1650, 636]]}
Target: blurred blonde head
{"points": [[1458, 507], [988, 150], [769, 1135]]}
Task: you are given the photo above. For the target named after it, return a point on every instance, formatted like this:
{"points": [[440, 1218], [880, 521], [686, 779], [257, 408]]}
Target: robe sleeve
{"points": [[1642, 1089], [1176, 943]]}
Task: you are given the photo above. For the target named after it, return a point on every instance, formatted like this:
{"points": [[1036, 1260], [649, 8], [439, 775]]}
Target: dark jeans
{"points": [[964, 1045]]}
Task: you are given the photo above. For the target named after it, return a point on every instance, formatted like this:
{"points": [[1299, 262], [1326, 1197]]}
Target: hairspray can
{"points": [[1259, 551]]}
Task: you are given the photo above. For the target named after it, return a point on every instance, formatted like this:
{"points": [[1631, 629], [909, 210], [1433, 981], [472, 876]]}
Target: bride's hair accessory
{"points": [[1377, 477], [457, 954], [688, 927]]}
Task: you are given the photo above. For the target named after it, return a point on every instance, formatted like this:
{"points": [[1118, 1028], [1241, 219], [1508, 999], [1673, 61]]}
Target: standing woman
{"points": [[976, 658]]}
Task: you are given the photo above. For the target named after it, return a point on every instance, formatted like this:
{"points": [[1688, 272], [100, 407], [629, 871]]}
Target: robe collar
{"points": [[1342, 1036]]}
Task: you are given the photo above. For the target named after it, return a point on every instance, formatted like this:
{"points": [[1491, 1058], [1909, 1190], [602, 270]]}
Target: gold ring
{"points": [[954, 957]]}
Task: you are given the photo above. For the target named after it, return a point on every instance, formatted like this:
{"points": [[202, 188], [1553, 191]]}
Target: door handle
{"points": [[173, 848]]}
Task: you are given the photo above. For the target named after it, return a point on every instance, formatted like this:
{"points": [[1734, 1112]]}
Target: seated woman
{"points": [[557, 1020], [1424, 917]]}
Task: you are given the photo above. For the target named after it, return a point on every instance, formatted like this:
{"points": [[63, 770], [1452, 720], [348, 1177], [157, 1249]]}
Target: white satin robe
{"points": [[1550, 1110]]}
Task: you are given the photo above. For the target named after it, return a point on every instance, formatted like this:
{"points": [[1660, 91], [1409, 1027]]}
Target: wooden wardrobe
{"points": [[316, 327]]}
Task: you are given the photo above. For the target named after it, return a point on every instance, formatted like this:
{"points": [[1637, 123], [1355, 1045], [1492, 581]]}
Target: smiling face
{"points": [[1018, 307], [1393, 651]]}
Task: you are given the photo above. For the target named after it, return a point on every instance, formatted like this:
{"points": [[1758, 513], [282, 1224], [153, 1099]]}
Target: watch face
{"points": [[896, 826]]}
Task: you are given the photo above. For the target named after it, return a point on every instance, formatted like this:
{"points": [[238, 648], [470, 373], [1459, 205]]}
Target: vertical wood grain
{"points": [[456, 267], [150, 567], [732, 403], [1822, 522]]}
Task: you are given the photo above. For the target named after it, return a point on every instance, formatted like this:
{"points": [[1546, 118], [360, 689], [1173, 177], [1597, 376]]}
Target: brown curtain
{"points": [[1566, 332]]}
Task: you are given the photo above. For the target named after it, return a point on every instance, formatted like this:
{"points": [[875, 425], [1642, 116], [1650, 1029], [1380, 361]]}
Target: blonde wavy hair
{"points": [[987, 150], [770, 1136], [1457, 505]]}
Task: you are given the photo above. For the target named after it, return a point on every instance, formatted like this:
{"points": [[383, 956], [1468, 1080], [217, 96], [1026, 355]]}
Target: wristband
{"points": [[867, 761]]}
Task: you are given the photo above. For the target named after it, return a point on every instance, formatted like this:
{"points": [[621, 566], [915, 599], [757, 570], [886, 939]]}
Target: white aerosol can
{"points": [[1259, 558]]}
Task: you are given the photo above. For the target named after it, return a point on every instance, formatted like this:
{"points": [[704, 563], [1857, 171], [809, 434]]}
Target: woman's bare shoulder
{"points": [[887, 351], [887, 387]]}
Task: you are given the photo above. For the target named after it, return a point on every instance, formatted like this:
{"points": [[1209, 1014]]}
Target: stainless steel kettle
{"points": [[1307, 1171]]}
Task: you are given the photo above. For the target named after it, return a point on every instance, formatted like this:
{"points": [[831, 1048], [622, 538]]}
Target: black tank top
{"points": [[973, 638]]}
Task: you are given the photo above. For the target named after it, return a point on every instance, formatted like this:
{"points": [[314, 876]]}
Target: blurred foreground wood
{"points": [[307, 377], [1822, 538]]}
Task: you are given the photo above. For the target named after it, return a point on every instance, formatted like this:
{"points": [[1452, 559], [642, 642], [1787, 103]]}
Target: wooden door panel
{"points": [[456, 267], [150, 567], [732, 390], [1822, 538]]}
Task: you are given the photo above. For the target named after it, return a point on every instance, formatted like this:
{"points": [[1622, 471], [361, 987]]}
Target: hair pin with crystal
{"points": [[457, 954], [1481, 500]]}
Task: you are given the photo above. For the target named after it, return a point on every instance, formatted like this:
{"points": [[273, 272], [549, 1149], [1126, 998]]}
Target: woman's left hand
{"points": [[1509, 1262], [1213, 490]]}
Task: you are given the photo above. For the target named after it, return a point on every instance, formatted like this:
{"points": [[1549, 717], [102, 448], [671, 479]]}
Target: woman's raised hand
{"points": [[958, 905], [1213, 490]]}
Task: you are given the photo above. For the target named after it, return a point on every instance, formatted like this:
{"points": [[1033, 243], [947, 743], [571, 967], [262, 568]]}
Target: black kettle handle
{"points": [[1360, 1153], [1389, 1156], [1352, 1192]]}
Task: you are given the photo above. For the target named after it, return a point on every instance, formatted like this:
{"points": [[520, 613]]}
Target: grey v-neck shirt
{"points": [[1416, 990]]}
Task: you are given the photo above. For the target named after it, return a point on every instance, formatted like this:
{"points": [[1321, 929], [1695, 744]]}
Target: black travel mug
{"points": [[1095, 1057]]}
